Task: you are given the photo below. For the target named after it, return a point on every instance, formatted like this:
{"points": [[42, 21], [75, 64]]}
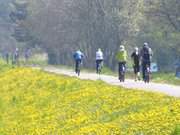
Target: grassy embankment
{"points": [[166, 77], [35, 102]]}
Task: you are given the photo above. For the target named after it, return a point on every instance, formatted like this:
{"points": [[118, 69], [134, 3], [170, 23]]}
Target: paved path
{"points": [[170, 90]]}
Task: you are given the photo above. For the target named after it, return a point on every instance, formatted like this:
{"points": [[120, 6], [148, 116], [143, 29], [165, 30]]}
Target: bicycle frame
{"points": [[122, 73], [78, 67], [147, 74], [99, 67]]}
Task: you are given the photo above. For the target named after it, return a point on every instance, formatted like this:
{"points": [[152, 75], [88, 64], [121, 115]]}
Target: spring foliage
{"points": [[33, 102]]}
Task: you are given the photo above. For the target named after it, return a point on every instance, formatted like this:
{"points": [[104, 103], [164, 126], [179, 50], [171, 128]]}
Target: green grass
{"points": [[177, 130], [4, 66], [168, 78], [39, 59], [35, 60]]}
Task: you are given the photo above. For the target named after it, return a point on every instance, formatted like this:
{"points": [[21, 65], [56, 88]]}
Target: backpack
{"points": [[146, 54]]}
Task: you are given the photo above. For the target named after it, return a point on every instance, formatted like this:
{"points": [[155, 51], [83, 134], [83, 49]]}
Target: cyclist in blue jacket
{"points": [[78, 56]]}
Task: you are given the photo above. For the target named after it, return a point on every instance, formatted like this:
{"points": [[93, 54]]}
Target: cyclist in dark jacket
{"points": [[136, 63], [146, 54]]}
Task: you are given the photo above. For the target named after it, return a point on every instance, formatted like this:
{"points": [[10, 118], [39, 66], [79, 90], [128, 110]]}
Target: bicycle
{"points": [[147, 74], [99, 67], [122, 73], [78, 67]]}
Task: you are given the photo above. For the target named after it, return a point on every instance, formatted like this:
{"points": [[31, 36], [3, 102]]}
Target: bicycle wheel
{"points": [[79, 68], [99, 68], [147, 76]]}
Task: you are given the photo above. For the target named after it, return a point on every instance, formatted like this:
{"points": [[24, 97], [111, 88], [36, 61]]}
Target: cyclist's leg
{"points": [[135, 72], [76, 66], [100, 65], [138, 72], [143, 69], [97, 65], [119, 70], [148, 71], [149, 64], [124, 70], [121, 65]]}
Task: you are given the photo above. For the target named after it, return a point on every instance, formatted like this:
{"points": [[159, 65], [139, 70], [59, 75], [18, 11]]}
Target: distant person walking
{"points": [[121, 57], [146, 56], [78, 56], [6, 56], [136, 63], [99, 60], [16, 56]]}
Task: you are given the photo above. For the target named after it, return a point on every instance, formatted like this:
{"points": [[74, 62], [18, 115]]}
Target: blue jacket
{"points": [[78, 55]]}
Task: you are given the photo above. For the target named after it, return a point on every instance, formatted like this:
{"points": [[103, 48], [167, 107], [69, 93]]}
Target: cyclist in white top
{"points": [[99, 60]]}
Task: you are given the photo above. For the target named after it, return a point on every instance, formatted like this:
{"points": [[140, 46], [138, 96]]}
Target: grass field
{"points": [[33, 102], [4, 66], [168, 78]]}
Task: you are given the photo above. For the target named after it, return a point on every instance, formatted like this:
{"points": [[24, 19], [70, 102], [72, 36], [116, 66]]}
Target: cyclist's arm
{"points": [[82, 55]]}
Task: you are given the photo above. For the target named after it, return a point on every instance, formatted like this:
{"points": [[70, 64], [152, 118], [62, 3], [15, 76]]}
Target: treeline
{"points": [[62, 26], [7, 42], [67, 25]]}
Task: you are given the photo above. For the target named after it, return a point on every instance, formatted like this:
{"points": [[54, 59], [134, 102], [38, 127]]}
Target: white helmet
{"points": [[136, 49], [146, 44], [122, 48]]}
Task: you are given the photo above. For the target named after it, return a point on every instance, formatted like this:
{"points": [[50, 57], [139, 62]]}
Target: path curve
{"points": [[167, 89]]}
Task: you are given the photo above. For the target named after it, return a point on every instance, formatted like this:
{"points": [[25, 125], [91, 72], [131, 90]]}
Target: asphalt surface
{"points": [[167, 89]]}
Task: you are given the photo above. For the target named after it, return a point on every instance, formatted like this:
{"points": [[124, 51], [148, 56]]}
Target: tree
{"points": [[66, 25]]}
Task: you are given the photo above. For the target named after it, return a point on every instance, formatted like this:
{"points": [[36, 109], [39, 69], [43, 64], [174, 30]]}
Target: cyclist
{"points": [[136, 63], [146, 55], [78, 56], [121, 57], [99, 60]]}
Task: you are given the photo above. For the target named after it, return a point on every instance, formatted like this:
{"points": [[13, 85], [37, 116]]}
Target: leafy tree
{"points": [[63, 26]]}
